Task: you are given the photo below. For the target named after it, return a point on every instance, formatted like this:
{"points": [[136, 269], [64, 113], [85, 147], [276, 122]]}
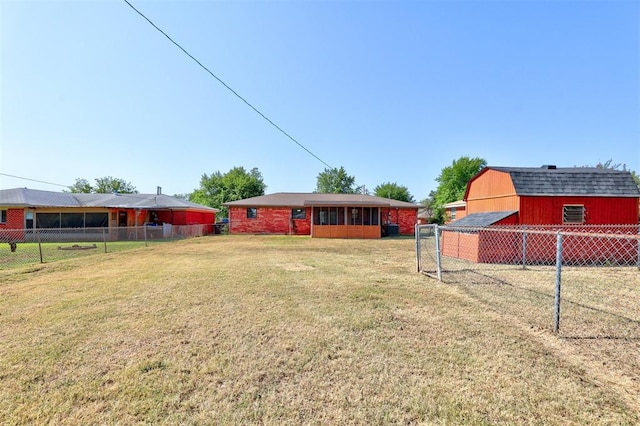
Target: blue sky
{"points": [[392, 91]]}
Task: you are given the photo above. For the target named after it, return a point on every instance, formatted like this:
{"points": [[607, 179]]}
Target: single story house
{"points": [[455, 210], [322, 215], [26, 209], [571, 198]]}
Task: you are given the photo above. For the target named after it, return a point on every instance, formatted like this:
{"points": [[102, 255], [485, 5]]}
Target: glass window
{"points": [[453, 213], [252, 213], [572, 214], [3, 216], [298, 213]]}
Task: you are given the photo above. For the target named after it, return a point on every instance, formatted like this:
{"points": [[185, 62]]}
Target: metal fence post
{"points": [[638, 262], [438, 259], [104, 238], [39, 246], [556, 324], [145, 236], [524, 247], [417, 232]]}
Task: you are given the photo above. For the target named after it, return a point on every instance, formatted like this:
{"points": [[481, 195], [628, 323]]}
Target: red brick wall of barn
{"points": [[269, 220], [406, 218], [15, 220]]}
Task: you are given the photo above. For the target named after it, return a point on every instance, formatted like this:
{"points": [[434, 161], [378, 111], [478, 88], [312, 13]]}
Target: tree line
{"points": [[238, 183]]}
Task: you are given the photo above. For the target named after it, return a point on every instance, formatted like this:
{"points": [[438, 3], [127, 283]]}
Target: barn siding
{"points": [[491, 191], [599, 210]]}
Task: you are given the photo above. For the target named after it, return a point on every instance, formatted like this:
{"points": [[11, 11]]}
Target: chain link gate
{"points": [[592, 272]]}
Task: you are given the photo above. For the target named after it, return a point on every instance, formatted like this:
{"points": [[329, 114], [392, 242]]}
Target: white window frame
{"points": [[573, 214]]}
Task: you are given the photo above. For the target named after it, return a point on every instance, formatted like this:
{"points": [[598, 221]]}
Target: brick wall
{"points": [[269, 220], [15, 220], [406, 218]]}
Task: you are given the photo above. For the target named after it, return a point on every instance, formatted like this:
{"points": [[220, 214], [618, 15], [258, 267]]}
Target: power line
{"points": [[226, 85], [34, 180]]}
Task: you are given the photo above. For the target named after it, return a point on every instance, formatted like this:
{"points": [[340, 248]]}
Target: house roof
{"points": [[568, 181], [456, 204], [303, 199], [24, 197], [480, 220]]}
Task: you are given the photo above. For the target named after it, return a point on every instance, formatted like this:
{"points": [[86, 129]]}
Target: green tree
{"points": [[609, 164], [81, 186], [107, 184], [452, 183], [104, 185], [236, 184], [336, 181], [393, 191]]}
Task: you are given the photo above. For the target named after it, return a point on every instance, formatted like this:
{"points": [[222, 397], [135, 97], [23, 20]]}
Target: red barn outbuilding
{"points": [[565, 198], [322, 215]]}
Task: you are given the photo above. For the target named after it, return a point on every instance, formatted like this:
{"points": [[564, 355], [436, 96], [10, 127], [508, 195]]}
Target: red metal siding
{"points": [[599, 210]]}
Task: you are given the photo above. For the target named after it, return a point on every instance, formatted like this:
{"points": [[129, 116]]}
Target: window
{"points": [[70, 220], [298, 213], [252, 213], [48, 220], [328, 216], [96, 220], [3, 216], [572, 214], [453, 213]]}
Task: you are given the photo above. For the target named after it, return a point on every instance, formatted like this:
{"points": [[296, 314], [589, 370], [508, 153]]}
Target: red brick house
{"points": [[322, 215], [565, 198], [23, 208], [454, 211]]}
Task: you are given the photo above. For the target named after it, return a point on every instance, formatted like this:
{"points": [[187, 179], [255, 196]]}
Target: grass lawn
{"points": [[288, 330]]}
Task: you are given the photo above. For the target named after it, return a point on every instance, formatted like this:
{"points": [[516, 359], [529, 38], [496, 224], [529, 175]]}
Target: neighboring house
{"points": [[455, 210], [23, 208], [567, 198], [322, 215]]}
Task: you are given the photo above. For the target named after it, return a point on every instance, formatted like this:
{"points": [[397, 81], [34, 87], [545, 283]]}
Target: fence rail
{"points": [[587, 276], [26, 246]]}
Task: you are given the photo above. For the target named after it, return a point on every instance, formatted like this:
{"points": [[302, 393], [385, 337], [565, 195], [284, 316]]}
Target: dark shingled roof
{"points": [[302, 199], [480, 220], [568, 181], [23, 197]]}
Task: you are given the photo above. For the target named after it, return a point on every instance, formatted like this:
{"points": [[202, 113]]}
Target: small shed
{"points": [[571, 199]]}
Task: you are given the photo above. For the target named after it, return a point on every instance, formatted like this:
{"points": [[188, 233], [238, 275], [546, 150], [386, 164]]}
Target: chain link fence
{"points": [[585, 280], [26, 246]]}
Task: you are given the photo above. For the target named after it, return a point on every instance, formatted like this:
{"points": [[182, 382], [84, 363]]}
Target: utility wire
{"points": [[226, 85], [34, 180]]}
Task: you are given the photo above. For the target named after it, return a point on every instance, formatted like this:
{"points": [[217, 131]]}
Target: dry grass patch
{"points": [[278, 330]]}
